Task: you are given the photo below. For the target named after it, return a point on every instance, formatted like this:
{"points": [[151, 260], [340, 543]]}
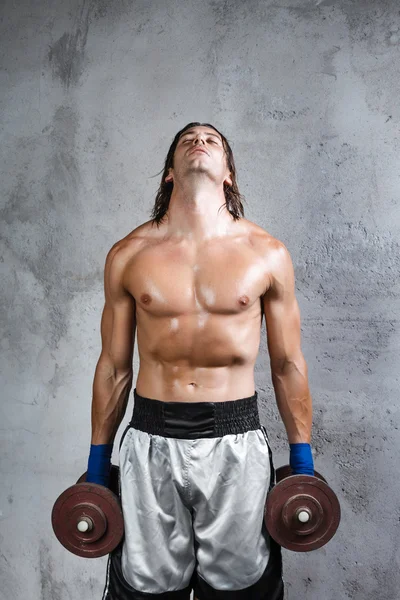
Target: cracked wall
{"points": [[91, 96]]}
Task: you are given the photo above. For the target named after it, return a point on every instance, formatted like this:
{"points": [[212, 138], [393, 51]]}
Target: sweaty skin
{"points": [[198, 309]]}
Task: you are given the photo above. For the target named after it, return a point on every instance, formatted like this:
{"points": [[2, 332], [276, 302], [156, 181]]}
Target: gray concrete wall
{"points": [[92, 94]]}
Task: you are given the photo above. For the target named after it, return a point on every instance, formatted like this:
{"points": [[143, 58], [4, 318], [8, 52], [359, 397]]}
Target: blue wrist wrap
{"points": [[99, 464], [301, 459]]}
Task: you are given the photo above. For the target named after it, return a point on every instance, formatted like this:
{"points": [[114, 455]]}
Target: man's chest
{"points": [[223, 280]]}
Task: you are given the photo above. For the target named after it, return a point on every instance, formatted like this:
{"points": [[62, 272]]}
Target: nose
{"points": [[198, 138]]}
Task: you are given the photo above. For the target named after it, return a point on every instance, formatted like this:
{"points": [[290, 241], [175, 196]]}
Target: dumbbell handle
{"points": [[84, 524], [303, 515]]}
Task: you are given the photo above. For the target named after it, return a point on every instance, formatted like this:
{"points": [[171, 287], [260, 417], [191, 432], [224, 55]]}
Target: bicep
{"points": [[118, 322], [282, 313]]}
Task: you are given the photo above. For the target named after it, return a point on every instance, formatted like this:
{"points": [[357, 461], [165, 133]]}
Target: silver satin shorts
{"points": [[194, 478]]}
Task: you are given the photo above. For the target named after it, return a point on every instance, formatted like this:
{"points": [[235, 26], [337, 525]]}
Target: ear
{"points": [[169, 178], [228, 180]]}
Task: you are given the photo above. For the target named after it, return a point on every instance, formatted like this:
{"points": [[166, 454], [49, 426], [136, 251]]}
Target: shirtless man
{"points": [[195, 463]]}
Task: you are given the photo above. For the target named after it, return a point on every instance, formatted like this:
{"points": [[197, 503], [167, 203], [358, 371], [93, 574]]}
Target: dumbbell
{"points": [[87, 518], [302, 512]]}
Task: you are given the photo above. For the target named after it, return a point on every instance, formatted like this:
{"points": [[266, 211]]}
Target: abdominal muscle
{"points": [[180, 384], [214, 365], [174, 383]]}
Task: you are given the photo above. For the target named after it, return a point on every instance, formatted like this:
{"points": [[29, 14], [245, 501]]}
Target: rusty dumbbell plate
{"points": [[87, 520], [286, 471], [302, 513]]}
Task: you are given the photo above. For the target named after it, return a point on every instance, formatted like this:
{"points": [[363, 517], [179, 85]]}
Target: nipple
{"points": [[145, 298], [244, 300]]}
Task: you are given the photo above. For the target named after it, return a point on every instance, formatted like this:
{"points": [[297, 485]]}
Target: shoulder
{"points": [[126, 248], [121, 255], [268, 246], [275, 257]]}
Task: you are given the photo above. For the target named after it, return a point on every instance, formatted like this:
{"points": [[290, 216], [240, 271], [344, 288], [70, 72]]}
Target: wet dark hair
{"points": [[233, 198]]}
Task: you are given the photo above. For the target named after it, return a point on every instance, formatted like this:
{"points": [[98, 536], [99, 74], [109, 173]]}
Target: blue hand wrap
{"points": [[99, 464], [301, 459]]}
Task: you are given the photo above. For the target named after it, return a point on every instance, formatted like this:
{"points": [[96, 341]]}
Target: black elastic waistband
{"points": [[191, 420]]}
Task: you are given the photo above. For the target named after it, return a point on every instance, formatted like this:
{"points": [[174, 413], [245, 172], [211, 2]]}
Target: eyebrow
{"points": [[192, 131]]}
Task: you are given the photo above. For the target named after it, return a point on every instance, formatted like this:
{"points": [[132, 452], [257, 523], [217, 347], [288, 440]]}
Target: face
{"points": [[200, 149]]}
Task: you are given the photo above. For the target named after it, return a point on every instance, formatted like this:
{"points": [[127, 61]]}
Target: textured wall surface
{"points": [[91, 95]]}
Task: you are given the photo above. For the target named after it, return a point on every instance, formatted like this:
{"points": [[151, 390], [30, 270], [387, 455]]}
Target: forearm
{"points": [[294, 400], [110, 397]]}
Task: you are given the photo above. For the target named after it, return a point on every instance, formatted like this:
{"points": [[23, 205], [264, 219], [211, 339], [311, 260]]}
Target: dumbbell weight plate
{"points": [[94, 505], [286, 471], [304, 495]]}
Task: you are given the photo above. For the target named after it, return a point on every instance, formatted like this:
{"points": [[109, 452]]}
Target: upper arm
{"points": [[282, 314], [118, 322]]}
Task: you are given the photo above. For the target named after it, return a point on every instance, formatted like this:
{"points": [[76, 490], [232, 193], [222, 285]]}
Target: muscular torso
{"points": [[198, 311]]}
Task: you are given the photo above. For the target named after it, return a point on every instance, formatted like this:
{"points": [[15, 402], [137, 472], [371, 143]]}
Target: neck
{"points": [[193, 211]]}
